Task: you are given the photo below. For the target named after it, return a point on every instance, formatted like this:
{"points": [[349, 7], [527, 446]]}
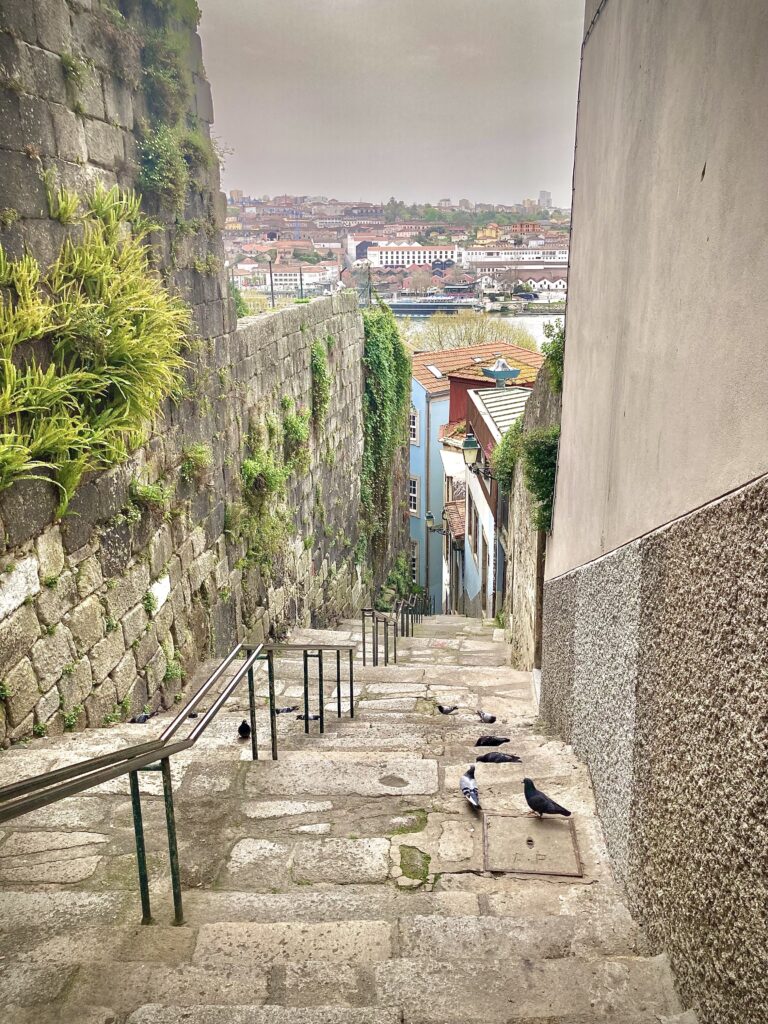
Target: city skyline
{"points": [[352, 99]]}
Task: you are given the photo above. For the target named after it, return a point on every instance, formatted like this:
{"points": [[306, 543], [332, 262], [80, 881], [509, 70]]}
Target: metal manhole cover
{"points": [[531, 846]]}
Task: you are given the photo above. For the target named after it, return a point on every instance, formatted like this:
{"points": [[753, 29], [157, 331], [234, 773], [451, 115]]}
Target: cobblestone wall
{"points": [[109, 609], [655, 670]]}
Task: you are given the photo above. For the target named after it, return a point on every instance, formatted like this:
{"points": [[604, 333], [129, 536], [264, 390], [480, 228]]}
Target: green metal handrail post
{"points": [[320, 690], [351, 687], [306, 691], [338, 684], [141, 851], [252, 709], [272, 715], [173, 850]]}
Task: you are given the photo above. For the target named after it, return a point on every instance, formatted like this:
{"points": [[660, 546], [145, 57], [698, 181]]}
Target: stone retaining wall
{"points": [[80, 633]]}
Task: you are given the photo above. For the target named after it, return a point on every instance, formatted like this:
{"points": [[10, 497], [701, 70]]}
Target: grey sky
{"points": [[422, 99]]}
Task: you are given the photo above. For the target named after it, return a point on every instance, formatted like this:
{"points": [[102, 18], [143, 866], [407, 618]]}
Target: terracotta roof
{"points": [[455, 514], [526, 377], [451, 360]]}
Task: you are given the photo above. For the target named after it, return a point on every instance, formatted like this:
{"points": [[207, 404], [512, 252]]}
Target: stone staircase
{"points": [[343, 884]]}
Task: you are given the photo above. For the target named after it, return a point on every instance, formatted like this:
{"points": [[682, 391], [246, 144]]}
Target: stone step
{"points": [[158, 1014]]}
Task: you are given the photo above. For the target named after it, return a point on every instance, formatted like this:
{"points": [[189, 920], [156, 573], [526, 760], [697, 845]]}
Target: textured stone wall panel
{"points": [[603, 695], [655, 668]]}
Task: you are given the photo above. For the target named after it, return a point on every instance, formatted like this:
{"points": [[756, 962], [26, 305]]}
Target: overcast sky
{"points": [[421, 99]]}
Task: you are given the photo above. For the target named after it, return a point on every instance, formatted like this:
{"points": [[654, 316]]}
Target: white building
{"points": [[497, 255], [391, 255], [289, 279]]}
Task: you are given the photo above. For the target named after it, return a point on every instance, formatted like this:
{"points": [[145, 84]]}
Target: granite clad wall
{"points": [[655, 670]]}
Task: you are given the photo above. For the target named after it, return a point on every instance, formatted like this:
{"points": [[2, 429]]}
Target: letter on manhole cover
{"points": [[530, 846]]}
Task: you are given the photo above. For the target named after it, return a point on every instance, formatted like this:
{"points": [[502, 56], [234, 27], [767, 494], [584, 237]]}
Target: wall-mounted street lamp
{"points": [[430, 521], [470, 449]]}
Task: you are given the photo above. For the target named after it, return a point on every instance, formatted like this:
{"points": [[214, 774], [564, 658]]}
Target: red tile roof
{"points": [[451, 360], [455, 514]]}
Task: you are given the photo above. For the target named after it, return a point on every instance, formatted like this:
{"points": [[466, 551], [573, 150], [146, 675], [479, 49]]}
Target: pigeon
{"points": [[468, 787], [447, 710], [308, 718], [492, 741], [140, 719], [540, 803], [243, 730], [192, 714], [496, 757], [486, 718], [286, 711]]}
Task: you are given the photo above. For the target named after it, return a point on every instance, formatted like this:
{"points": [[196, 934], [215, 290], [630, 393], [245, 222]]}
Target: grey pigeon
{"points": [[286, 711], [485, 718], [308, 718], [447, 710], [140, 719], [468, 787], [540, 803], [497, 757], [243, 730], [492, 741]]}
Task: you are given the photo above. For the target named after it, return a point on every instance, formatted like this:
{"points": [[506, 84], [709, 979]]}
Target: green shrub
{"points": [[173, 671], [165, 86], [116, 336], [149, 603], [164, 172], [63, 204], [262, 476], [71, 715], [554, 350], [296, 441], [540, 466], [241, 306], [40, 729], [506, 454], [75, 70], [321, 381]]}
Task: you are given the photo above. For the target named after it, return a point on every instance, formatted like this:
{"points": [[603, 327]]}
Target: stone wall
{"points": [[108, 610], [79, 635], [655, 670], [525, 545]]}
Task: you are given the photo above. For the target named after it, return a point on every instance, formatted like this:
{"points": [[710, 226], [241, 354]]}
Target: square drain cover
{"points": [[531, 846]]}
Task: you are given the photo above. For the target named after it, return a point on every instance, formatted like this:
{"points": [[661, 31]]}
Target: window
{"points": [[414, 561], [413, 426], [413, 496]]}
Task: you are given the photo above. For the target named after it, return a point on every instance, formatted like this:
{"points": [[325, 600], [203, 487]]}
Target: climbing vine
{"points": [[536, 451], [385, 408], [115, 336]]}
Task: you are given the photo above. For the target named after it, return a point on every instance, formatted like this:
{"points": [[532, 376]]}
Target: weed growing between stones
{"points": [[321, 381], [156, 498], [196, 461]]}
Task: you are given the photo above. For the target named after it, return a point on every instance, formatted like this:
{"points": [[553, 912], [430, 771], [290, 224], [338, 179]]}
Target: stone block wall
{"points": [[105, 607], [655, 669], [109, 609], [524, 544]]}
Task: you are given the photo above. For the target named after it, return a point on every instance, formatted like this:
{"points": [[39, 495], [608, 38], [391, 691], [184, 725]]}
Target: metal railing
{"points": [[31, 794], [407, 613]]}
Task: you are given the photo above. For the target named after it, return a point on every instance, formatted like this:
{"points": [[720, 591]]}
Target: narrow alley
{"points": [[349, 882]]}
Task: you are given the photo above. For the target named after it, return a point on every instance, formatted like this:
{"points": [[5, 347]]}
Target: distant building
{"points": [[545, 200], [390, 255], [439, 381]]}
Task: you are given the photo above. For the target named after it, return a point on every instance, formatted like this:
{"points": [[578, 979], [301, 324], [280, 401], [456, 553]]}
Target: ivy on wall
{"points": [[536, 450], [102, 348], [554, 350], [386, 400], [321, 381]]}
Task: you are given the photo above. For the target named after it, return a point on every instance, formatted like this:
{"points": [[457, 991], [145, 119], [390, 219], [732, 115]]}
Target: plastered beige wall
{"points": [[665, 404]]}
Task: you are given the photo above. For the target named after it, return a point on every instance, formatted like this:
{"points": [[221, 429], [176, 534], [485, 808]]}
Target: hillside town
{"points": [[484, 255]]}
